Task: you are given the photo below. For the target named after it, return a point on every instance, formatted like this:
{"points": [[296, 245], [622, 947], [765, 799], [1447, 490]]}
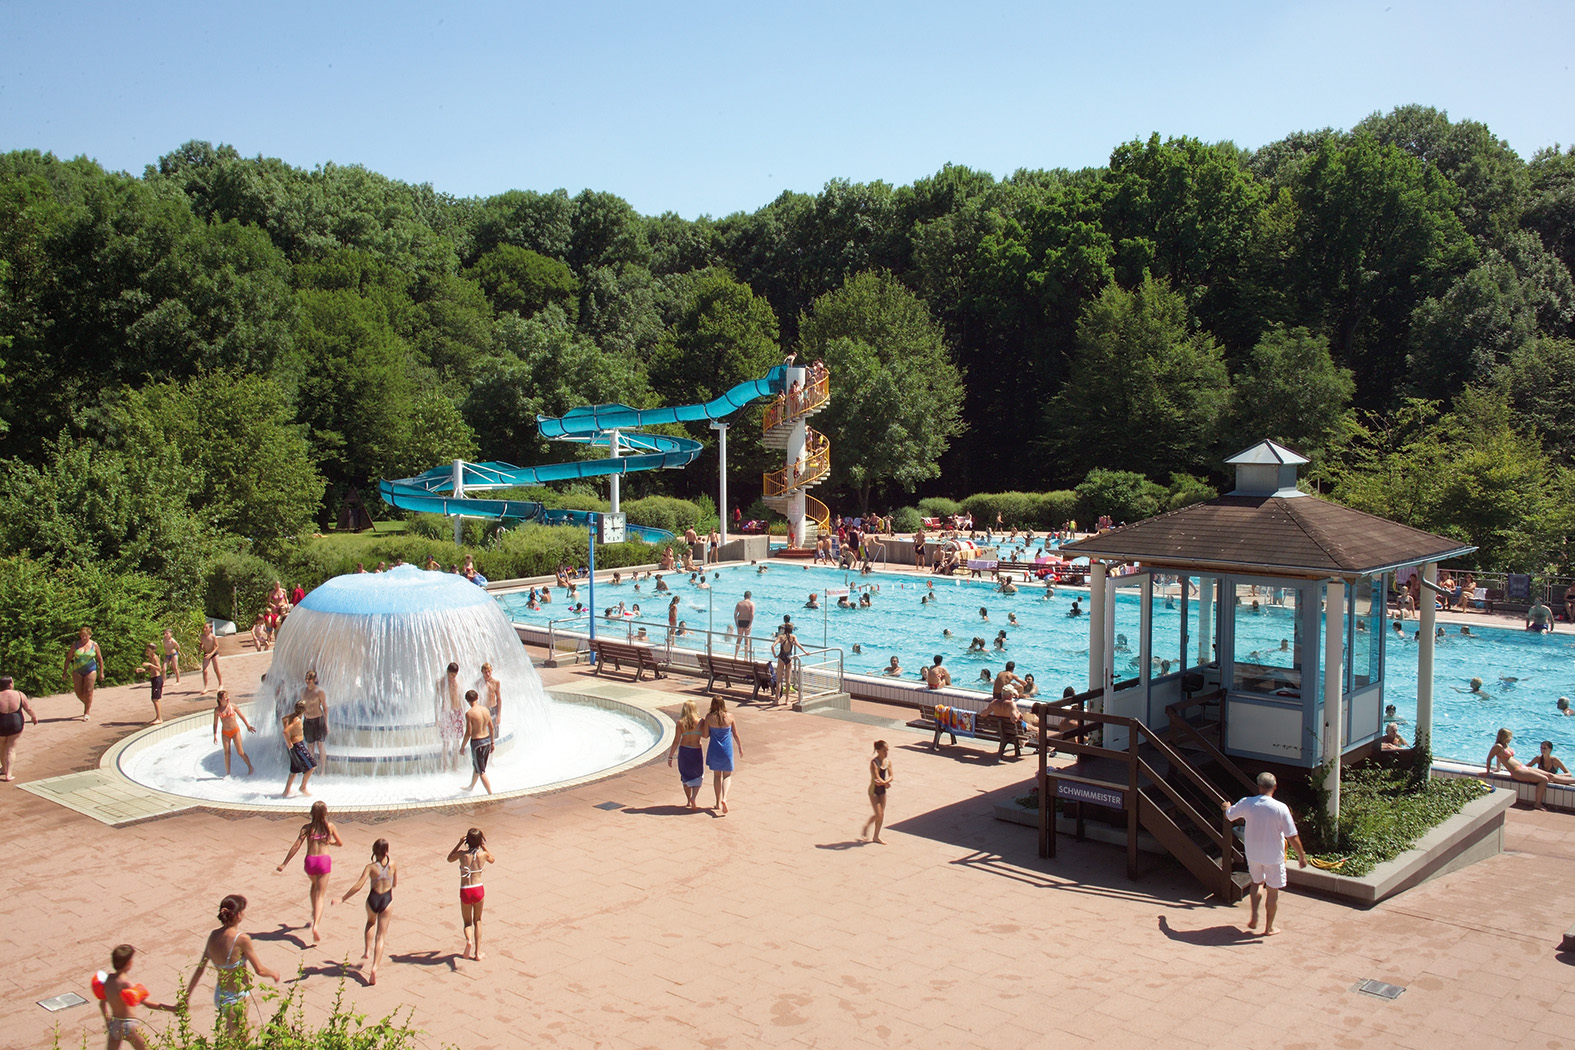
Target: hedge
{"points": [[237, 587], [939, 507], [46, 607]]}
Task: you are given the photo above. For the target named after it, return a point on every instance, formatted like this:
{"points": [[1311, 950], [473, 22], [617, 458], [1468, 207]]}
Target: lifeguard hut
{"points": [[1261, 617]]}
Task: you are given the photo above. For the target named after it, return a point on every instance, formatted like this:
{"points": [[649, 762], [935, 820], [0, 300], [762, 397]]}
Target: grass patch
{"points": [[1382, 814]]}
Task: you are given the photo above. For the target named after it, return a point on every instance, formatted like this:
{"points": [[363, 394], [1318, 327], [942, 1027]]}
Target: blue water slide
{"points": [[590, 425]]}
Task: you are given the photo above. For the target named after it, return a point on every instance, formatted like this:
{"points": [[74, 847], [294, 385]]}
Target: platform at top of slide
{"points": [[591, 425]]}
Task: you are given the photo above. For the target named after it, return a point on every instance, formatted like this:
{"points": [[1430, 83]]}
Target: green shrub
{"points": [[1016, 509], [430, 526], [938, 507], [663, 512], [907, 519], [1052, 510], [1382, 814], [236, 587], [1124, 495], [1186, 490], [45, 607]]}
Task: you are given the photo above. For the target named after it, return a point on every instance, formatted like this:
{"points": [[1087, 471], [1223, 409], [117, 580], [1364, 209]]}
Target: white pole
{"points": [[1096, 626], [459, 493], [1424, 658], [616, 452], [1333, 694], [721, 470]]}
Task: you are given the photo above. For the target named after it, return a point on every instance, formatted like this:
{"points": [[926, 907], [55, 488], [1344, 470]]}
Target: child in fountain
{"points": [[494, 695], [225, 715], [478, 734], [314, 724], [301, 761], [450, 716]]}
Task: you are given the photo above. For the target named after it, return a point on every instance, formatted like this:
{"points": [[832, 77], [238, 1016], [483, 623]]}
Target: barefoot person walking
{"points": [[384, 876], [154, 669], [225, 716], [13, 705], [301, 760], [691, 760], [1269, 828], [471, 852], [229, 950], [84, 666], [118, 999], [209, 644], [721, 732], [318, 834], [881, 774], [478, 734]]}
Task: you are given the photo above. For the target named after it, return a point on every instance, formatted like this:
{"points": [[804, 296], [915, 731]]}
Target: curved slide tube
{"points": [[590, 425]]}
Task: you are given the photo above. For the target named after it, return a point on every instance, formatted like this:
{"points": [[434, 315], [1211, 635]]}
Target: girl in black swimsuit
{"points": [[384, 876], [880, 780]]}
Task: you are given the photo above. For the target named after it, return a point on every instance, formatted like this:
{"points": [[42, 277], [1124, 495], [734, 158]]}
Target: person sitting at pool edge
{"points": [[1539, 618], [1546, 762]]}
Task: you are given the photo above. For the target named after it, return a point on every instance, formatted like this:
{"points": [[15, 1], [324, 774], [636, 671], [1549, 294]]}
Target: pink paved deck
{"points": [[648, 926]]}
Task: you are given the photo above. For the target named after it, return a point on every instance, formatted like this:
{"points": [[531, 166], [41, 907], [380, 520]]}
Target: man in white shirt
{"points": [[1269, 827]]}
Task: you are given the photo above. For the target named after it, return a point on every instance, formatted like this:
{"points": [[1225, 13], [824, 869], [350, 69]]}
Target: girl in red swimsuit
{"points": [[471, 852]]}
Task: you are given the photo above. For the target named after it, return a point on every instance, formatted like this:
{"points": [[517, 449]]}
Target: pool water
{"points": [[1523, 674]]}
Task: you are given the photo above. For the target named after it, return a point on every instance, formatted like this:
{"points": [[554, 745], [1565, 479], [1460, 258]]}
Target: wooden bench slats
{"points": [[640, 657], [985, 727], [729, 668]]}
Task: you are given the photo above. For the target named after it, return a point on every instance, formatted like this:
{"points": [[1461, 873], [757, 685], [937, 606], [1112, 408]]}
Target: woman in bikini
{"points": [[1504, 755], [691, 761], [225, 715], [384, 876], [229, 950], [880, 779], [471, 852], [209, 644], [84, 666], [318, 834]]}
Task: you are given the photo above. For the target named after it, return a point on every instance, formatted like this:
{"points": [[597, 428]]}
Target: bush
{"points": [[663, 512], [1124, 495], [430, 526], [45, 607], [1382, 814], [1186, 490], [1015, 508], [907, 519], [236, 587], [1052, 510], [938, 507]]}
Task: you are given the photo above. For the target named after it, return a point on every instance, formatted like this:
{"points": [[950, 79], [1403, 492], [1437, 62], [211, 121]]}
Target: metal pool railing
{"points": [[816, 673]]}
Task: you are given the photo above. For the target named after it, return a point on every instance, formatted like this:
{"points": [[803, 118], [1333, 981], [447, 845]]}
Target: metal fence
{"points": [[817, 673]]}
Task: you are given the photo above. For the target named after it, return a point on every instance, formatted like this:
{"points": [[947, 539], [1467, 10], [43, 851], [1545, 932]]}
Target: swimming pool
{"points": [[1523, 673]]}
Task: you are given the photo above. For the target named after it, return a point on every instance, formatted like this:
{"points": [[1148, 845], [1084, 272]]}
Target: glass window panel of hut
{"points": [[1367, 622], [1202, 596], [1267, 650], [1166, 647]]}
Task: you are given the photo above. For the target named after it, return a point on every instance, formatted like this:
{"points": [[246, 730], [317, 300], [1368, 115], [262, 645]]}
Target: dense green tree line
{"points": [[204, 358]]}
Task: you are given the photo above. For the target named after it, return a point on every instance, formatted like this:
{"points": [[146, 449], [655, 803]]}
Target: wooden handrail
{"points": [[1213, 752]]}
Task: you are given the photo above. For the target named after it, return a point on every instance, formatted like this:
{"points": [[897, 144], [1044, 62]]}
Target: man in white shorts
{"points": [[1269, 827]]}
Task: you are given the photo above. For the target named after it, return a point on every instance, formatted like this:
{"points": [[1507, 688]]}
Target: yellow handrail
{"points": [[811, 397], [816, 466], [817, 512]]}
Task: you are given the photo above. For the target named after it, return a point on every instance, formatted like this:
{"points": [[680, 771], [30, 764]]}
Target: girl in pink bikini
{"points": [[472, 853], [318, 834], [1504, 755]]}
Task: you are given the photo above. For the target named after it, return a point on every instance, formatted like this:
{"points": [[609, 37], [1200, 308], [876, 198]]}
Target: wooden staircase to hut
{"points": [[1170, 784]]}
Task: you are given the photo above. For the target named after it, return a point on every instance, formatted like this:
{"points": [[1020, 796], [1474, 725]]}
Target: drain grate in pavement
{"points": [[62, 1002], [609, 805], [1380, 989]]}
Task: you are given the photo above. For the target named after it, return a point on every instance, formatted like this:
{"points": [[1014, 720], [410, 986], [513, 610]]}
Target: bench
{"points": [[639, 657], [731, 668], [1007, 732]]}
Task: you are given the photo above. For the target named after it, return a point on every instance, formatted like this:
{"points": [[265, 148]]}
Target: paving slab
{"points": [[648, 925]]}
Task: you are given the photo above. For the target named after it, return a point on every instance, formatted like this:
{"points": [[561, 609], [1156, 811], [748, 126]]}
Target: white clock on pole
{"points": [[614, 528]]}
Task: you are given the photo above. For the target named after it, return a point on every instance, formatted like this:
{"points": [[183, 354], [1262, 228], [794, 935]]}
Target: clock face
{"points": [[614, 528]]}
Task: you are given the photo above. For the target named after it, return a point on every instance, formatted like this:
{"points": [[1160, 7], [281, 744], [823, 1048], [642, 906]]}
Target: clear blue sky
{"points": [[718, 107]]}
